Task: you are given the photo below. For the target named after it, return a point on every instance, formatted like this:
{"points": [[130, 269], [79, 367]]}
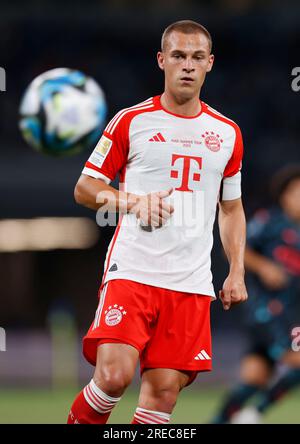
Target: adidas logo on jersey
{"points": [[157, 138], [203, 356]]}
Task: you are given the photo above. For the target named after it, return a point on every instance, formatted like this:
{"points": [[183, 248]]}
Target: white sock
{"points": [[99, 400], [144, 416]]}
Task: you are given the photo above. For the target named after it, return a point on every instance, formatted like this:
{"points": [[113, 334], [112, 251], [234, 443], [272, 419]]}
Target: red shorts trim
{"points": [[170, 329]]}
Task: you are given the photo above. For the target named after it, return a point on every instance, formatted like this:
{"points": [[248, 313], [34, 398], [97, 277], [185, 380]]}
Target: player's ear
{"points": [[211, 62], [160, 60]]}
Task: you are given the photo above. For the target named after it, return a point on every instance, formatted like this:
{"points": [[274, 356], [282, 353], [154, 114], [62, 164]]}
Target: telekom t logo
{"points": [[186, 170]]}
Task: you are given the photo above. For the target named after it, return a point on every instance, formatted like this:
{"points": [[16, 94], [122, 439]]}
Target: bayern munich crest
{"points": [[114, 315], [212, 141]]}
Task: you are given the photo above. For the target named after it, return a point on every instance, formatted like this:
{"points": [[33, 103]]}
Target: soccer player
{"points": [[172, 152], [273, 257]]}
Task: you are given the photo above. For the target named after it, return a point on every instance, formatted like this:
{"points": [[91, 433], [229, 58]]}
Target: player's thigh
{"points": [[116, 364], [291, 358], [255, 369]]}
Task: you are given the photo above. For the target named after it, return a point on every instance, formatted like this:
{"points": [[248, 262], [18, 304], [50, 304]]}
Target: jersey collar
{"points": [[157, 102]]}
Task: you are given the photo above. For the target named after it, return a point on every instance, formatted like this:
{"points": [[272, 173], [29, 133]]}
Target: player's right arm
{"points": [[150, 208], [271, 274], [94, 193], [109, 157]]}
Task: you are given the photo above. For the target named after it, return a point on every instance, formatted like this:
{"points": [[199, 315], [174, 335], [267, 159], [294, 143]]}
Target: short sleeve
{"points": [[111, 152], [232, 173]]}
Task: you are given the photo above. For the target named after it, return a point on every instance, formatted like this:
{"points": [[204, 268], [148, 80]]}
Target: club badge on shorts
{"points": [[114, 315]]}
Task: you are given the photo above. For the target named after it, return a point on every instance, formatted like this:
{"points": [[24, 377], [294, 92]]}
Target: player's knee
{"points": [[255, 371], [112, 380]]}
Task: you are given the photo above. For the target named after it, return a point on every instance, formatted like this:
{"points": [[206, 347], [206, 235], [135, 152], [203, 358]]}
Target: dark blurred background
{"points": [[256, 45]]}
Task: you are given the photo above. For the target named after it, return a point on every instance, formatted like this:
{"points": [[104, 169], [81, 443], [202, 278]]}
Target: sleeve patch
{"points": [[101, 151]]}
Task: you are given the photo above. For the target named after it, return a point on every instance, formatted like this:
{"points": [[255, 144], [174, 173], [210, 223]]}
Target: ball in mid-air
{"points": [[62, 112]]}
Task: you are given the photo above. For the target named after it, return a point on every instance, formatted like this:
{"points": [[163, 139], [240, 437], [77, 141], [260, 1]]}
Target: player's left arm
{"points": [[232, 226]]}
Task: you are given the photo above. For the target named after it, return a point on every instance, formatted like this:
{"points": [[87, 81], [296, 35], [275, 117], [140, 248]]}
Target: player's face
{"points": [[290, 200], [185, 61]]}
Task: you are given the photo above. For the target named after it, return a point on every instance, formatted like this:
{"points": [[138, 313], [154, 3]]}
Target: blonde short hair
{"points": [[186, 27]]}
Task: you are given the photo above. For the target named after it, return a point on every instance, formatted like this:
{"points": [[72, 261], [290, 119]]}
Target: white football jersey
{"points": [[154, 150]]}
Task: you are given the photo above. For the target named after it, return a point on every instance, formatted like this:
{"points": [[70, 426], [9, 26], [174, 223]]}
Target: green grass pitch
{"points": [[194, 406]]}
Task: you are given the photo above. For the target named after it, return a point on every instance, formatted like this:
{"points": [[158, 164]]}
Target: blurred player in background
{"points": [[273, 258], [172, 153]]}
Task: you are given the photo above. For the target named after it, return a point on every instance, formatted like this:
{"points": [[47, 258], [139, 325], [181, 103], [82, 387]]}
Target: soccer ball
{"points": [[62, 112]]}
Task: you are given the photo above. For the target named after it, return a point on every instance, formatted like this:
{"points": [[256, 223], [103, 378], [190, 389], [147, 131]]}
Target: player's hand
{"points": [[234, 290], [272, 275], [152, 210]]}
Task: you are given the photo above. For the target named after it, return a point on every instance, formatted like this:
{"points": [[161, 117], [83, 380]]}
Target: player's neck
{"points": [[188, 108]]}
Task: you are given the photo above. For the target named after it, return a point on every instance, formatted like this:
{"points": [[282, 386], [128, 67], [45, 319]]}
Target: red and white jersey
{"points": [[153, 150]]}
